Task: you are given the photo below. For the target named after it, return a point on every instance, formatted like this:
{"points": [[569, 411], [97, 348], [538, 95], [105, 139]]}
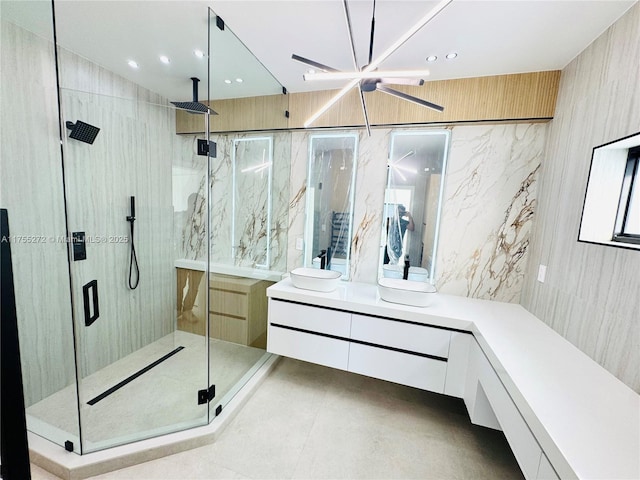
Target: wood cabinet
{"points": [[238, 309]]}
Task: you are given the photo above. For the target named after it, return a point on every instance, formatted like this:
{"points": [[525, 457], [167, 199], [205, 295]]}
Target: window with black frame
{"points": [[627, 228]]}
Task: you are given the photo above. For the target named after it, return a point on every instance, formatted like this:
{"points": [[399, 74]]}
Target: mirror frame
{"points": [[308, 240], [446, 133]]}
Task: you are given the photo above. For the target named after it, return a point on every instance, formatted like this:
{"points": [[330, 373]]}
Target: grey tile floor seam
{"points": [[311, 422]]}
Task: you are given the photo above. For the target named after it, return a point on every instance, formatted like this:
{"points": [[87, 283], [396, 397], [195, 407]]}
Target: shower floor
{"points": [[161, 400]]}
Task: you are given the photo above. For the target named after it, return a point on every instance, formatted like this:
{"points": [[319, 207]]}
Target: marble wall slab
{"points": [[488, 208], [487, 213], [590, 294], [240, 218]]}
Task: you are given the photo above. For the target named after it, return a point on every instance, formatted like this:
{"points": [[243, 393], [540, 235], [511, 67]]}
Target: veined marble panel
{"points": [[239, 239], [487, 211], [371, 179], [487, 214], [297, 197]]}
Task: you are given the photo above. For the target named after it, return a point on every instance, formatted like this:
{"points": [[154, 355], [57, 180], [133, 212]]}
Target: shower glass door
{"points": [[31, 189], [138, 247]]}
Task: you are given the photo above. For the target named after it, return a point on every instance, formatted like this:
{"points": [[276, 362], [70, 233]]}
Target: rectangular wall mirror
{"points": [[413, 198], [329, 209]]}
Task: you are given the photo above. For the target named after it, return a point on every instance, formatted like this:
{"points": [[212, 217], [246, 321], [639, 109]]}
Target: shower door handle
{"points": [[90, 305]]}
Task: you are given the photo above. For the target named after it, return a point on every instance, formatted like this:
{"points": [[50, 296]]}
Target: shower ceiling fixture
{"points": [[195, 106], [368, 78]]}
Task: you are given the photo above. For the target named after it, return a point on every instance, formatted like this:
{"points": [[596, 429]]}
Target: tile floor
{"points": [[170, 388], [310, 422]]}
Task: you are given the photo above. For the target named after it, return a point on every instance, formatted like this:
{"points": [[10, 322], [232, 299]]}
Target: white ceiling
{"points": [[490, 37]]}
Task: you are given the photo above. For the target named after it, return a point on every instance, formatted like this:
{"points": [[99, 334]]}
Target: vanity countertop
{"points": [[586, 420], [255, 273]]}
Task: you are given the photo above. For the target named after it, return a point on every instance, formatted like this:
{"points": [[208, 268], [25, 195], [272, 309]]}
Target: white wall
{"points": [[591, 294]]}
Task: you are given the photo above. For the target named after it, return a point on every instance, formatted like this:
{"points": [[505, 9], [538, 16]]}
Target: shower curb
{"points": [[71, 466]]}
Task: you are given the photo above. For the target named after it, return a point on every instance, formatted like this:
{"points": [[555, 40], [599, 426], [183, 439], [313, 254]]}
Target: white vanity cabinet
{"points": [[308, 333], [489, 404], [399, 351], [514, 372]]}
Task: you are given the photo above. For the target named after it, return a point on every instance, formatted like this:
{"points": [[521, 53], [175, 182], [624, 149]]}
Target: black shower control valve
{"points": [[79, 246]]}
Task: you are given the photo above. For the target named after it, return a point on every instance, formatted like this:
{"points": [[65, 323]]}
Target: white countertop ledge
{"points": [[585, 419]]}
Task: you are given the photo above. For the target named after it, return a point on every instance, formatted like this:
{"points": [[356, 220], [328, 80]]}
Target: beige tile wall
{"points": [[591, 294]]}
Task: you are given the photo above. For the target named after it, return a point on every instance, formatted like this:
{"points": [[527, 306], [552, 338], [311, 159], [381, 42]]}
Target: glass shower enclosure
{"points": [[125, 332]]}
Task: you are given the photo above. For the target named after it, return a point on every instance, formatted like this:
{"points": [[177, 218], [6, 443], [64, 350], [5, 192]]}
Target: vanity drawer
{"points": [[228, 303], [230, 329], [405, 336], [315, 319], [522, 442], [406, 369], [308, 347]]}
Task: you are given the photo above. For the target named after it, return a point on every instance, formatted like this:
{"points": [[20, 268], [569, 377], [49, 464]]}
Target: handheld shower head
{"points": [[82, 131]]}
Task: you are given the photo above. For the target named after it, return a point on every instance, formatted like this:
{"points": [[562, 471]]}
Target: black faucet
{"points": [[405, 273], [323, 259]]}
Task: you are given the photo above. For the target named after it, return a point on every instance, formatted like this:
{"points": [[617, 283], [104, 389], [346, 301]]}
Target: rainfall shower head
{"points": [[82, 131], [194, 107]]}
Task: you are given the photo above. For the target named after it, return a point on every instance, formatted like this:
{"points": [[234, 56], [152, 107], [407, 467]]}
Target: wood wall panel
{"points": [[503, 97], [239, 114], [526, 96]]}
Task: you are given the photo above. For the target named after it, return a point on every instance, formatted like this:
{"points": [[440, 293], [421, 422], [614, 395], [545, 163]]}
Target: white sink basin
{"points": [[406, 292], [315, 279]]}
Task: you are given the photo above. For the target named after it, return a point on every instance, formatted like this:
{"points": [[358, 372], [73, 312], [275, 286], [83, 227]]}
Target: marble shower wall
{"points": [[31, 191], [489, 200], [247, 246], [590, 294]]}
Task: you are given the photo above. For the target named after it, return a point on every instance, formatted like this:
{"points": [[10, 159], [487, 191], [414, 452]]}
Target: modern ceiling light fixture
{"points": [[367, 78]]}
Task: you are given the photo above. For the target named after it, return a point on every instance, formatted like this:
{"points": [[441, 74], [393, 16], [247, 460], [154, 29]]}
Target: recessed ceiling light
{"points": [[239, 80], [133, 64], [164, 59], [198, 53], [227, 81], [451, 55], [431, 58], [311, 71]]}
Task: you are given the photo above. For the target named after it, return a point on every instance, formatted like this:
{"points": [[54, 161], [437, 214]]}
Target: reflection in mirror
{"points": [[412, 204], [251, 210], [329, 209]]}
